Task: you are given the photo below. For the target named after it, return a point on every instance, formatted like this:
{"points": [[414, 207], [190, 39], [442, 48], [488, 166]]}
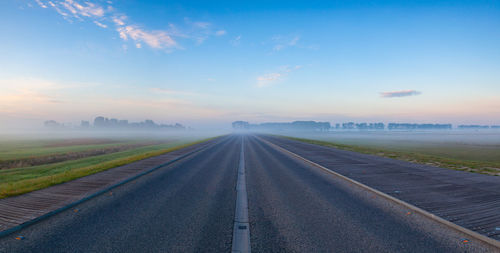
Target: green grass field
{"points": [[458, 155], [16, 181], [22, 150]]}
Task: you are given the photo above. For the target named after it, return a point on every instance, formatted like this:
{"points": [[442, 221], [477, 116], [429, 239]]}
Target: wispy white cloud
{"points": [[198, 31], [202, 25], [236, 41], [87, 9], [41, 4], [155, 39], [103, 14], [119, 20], [402, 93], [282, 42], [58, 10], [220, 32], [268, 78], [100, 24], [274, 77]]}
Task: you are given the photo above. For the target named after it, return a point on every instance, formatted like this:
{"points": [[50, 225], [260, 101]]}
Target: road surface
{"points": [[189, 206]]}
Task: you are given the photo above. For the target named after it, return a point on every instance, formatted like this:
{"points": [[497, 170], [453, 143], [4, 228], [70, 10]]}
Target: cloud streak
{"points": [[41, 4], [236, 41], [155, 39], [282, 42], [220, 32], [402, 93], [100, 24], [104, 15], [274, 77], [74, 8], [268, 78]]}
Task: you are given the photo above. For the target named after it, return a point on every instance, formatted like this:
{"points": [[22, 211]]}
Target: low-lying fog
{"points": [[108, 134], [462, 137]]}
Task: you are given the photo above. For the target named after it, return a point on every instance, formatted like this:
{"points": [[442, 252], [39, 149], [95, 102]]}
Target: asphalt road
{"points": [[189, 206]]}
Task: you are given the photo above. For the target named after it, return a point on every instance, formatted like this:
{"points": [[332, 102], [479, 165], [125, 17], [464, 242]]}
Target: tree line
{"points": [[106, 123]]}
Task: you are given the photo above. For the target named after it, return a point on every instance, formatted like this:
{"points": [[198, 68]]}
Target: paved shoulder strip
{"points": [[466, 231], [241, 229]]}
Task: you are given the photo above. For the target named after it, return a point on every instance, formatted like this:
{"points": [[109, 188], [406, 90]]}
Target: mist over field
{"points": [[112, 134], [399, 138]]}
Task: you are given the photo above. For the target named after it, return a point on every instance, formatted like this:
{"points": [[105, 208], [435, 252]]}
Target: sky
{"points": [[208, 63]]}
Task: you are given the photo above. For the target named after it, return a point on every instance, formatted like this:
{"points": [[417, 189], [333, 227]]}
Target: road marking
{"points": [[473, 234], [241, 228]]}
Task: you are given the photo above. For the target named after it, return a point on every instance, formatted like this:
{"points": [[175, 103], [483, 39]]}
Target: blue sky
{"points": [[209, 63]]}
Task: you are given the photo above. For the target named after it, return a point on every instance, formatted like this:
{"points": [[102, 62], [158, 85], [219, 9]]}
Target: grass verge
{"points": [[23, 180], [477, 166]]}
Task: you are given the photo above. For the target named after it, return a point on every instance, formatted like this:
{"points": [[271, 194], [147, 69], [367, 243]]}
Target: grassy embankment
{"points": [[18, 181], [471, 158]]}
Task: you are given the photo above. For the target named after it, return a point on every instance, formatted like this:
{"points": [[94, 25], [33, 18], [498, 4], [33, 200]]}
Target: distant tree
{"points": [[51, 124], [100, 122], [240, 125], [408, 126], [149, 123], [472, 127], [85, 124], [348, 125], [179, 126], [123, 123]]}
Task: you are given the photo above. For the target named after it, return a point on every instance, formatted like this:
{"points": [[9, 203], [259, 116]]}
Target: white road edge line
{"points": [[241, 228], [472, 234]]}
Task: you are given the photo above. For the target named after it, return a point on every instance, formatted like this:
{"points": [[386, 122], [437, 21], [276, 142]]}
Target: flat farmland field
{"points": [[28, 164], [473, 151], [15, 154]]}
